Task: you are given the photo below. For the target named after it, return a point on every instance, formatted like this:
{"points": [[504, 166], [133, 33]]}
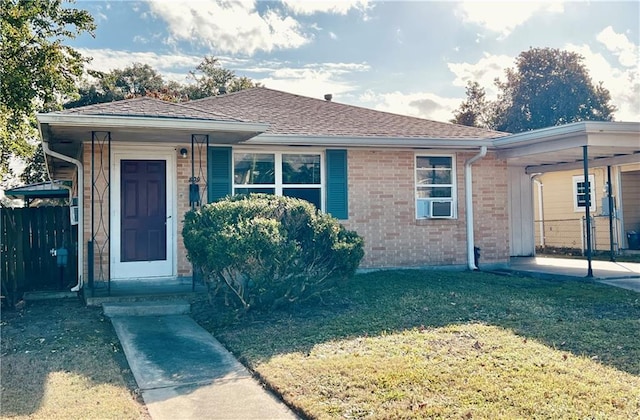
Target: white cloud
{"points": [[313, 79], [417, 104], [166, 64], [229, 26], [622, 83], [484, 71], [628, 54], [504, 17], [333, 36], [310, 7]]}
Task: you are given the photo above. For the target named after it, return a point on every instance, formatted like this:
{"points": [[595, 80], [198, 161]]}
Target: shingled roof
{"points": [[149, 107], [292, 114]]}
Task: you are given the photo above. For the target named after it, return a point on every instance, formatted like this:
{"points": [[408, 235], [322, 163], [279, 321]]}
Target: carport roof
{"points": [[560, 148]]}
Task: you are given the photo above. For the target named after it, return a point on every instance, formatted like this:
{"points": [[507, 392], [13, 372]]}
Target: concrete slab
{"points": [[173, 350], [146, 308], [625, 283], [185, 373], [238, 399], [575, 267]]}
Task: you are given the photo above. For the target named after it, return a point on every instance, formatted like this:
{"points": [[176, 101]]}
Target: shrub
{"points": [[270, 250]]}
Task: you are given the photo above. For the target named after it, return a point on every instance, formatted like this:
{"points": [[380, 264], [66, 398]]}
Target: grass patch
{"points": [[410, 344], [62, 360]]}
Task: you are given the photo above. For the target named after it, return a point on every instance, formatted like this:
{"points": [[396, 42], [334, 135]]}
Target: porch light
{"points": [[183, 153]]}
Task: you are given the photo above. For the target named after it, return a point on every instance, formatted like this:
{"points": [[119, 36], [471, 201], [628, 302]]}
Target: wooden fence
{"points": [[27, 236]]}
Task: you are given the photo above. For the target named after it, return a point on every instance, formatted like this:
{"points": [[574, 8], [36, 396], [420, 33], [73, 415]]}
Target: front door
{"points": [[143, 229], [143, 210]]}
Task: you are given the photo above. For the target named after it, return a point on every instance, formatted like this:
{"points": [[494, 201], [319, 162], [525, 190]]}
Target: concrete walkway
{"points": [[619, 274], [183, 371]]}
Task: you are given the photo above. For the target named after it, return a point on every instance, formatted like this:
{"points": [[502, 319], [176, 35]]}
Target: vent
{"points": [[328, 97]]}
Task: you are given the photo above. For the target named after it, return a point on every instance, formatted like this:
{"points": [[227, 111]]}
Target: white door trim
{"points": [[143, 269]]}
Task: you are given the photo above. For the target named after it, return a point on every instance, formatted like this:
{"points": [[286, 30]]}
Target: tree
{"points": [[118, 84], [209, 77], [548, 87], [476, 110], [37, 69]]}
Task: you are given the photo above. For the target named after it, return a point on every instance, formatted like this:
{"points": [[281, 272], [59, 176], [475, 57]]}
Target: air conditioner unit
{"points": [[443, 209], [435, 209]]}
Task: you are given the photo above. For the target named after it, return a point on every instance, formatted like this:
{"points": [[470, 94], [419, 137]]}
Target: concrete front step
{"points": [[146, 308]]}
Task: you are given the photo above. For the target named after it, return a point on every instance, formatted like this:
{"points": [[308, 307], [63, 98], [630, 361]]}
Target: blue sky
{"points": [[408, 57]]}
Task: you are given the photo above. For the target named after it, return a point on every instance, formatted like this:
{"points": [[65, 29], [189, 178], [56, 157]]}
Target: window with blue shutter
{"points": [[337, 193], [218, 173]]}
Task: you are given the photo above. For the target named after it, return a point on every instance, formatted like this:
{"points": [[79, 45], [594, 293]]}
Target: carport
{"points": [[585, 145]]}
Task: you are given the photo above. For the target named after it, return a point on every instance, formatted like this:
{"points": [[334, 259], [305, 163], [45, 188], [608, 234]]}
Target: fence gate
{"points": [[27, 236]]}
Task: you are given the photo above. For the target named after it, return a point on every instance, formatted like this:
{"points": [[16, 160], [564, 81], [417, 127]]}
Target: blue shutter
{"points": [[218, 173], [337, 194]]}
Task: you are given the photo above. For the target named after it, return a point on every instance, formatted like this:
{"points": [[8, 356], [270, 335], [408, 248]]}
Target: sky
{"points": [[406, 57]]}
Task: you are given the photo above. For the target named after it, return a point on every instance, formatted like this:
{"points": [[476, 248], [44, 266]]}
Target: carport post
{"points": [[610, 197], [587, 204]]}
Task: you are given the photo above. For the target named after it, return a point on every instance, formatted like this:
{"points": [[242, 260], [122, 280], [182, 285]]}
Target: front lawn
{"points": [[62, 360], [425, 344]]}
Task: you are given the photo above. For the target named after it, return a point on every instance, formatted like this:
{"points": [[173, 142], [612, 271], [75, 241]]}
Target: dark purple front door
{"points": [[143, 210]]}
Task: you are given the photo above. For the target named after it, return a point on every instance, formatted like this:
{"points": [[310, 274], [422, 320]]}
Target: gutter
{"points": [[468, 180], [80, 188]]}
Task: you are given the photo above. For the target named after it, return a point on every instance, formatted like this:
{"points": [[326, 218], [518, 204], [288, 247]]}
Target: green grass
{"points": [[62, 360], [423, 344]]}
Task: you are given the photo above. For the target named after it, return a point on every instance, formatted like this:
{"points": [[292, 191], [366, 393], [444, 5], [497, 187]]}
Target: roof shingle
{"points": [[292, 114], [149, 107]]}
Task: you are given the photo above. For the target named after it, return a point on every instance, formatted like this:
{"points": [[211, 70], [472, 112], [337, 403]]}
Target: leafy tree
{"points": [[548, 87], [209, 77], [37, 68], [476, 110], [118, 84]]}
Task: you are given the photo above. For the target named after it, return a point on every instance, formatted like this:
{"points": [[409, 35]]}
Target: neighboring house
{"points": [[560, 198], [409, 186]]}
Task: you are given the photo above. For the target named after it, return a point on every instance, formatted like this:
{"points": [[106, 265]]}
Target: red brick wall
{"points": [[382, 210]]}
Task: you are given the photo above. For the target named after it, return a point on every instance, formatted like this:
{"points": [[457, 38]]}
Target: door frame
{"points": [[144, 269]]}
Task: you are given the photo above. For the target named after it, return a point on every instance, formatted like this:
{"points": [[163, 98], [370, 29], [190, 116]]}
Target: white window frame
{"points": [[454, 190], [278, 186], [592, 184]]}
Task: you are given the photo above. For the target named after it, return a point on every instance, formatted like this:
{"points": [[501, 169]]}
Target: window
{"points": [[435, 187], [289, 174], [580, 193]]}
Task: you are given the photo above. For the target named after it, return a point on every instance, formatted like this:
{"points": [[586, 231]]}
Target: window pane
{"points": [[433, 162], [247, 191], [312, 195], [433, 176], [301, 169], [431, 192], [254, 168]]}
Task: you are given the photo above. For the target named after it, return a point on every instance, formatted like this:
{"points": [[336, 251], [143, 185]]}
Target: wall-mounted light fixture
{"points": [[183, 152]]}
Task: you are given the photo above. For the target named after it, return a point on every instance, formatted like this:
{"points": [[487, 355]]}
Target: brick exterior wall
{"points": [[382, 210]]}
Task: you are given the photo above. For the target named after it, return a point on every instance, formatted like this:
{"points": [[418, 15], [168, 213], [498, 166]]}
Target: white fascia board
{"points": [[567, 130], [180, 124], [394, 142]]}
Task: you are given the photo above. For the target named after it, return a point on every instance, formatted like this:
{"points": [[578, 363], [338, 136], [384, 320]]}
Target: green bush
{"points": [[270, 250]]}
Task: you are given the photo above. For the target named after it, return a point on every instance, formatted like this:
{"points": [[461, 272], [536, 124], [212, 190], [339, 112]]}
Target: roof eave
{"points": [[564, 131], [179, 124]]}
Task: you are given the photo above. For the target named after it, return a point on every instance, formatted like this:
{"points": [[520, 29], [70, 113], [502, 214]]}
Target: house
{"points": [[420, 192], [559, 201]]}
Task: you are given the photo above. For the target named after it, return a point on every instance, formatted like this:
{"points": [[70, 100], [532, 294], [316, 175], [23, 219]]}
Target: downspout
{"points": [[539, 184], [469, 206], [80, 188]]}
